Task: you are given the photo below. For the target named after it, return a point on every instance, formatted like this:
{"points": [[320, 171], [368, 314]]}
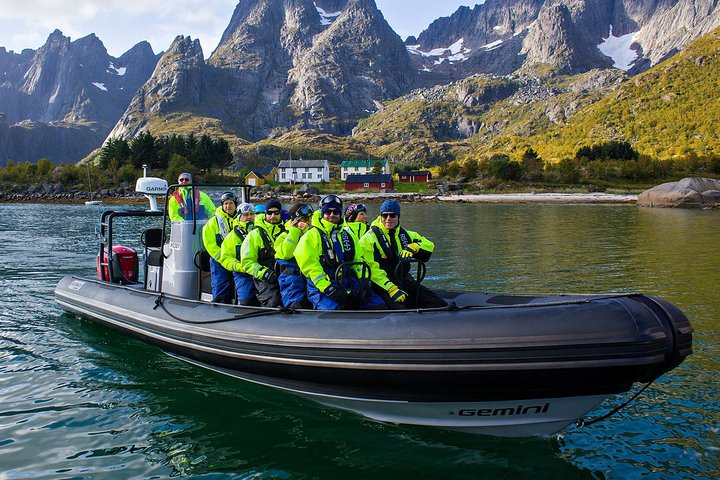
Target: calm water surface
{"points": [[81, 401]]}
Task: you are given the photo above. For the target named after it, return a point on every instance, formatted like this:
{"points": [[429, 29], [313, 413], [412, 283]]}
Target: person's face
{"points": [[272, 216], [390, 220], [184, 181], [247, 217], [229, 207], [332, 215], [361, 217]]}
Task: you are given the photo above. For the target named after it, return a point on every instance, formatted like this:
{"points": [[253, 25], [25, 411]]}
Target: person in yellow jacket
{"points": [[293, 288], [213, 234], [258, 254], [389, 244], [356, 218], [230, 254], [322, 250], [185, 200]]}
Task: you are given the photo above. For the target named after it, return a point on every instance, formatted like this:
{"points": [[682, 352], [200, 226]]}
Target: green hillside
{"points": [[669, 112], [480, 114]]}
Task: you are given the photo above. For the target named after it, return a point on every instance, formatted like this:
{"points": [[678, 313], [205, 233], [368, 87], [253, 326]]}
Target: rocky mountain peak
{"points": [[356, 62], [548, 40], [178, 77]]}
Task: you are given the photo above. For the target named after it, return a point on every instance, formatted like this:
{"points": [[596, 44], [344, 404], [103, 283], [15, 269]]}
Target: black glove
{"points": [[269, 276], [337, 295]]}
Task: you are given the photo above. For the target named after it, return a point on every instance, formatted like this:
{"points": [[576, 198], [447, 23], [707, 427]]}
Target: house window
{"points": [[283, 175], [307, 169], [356, 168]]}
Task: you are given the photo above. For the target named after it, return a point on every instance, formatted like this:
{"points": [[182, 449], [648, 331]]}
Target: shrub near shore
{"points": [[605, 167]]}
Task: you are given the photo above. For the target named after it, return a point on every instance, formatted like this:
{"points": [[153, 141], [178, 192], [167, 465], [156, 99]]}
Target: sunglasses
{"points": [[388, 215], [332, 211], [183, 180], [272, 212]]}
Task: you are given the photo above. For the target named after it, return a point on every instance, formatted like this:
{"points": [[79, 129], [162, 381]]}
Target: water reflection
{"points": [[203, 422], [81, 400]]}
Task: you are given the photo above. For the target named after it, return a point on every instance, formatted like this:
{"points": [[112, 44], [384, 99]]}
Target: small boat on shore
{"points": [[91, 202], [496, 364]]}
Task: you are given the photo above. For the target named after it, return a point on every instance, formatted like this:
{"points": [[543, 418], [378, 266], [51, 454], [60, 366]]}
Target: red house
{"points": [[415, 176], [368, 182]]}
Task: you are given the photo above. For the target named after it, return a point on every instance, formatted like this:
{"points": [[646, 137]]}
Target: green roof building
{"points": [[362, 167]]}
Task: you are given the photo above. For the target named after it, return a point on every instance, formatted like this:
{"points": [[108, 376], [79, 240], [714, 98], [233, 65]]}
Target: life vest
{"points": [[241, 235], [266, 255], [389, 261], [336, 249], [184, 210], [223, 228]]}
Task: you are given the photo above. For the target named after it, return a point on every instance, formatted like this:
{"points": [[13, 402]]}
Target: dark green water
{"points": [[81, 401]]}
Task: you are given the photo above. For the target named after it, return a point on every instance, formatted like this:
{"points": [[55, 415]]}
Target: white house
{"points": [[362, 167], [303, 171]]}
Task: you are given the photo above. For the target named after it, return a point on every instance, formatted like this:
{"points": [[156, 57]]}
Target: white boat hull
{"points": [[508, 418]]}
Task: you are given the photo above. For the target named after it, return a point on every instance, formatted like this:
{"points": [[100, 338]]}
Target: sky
{"points": [[120, 24]]}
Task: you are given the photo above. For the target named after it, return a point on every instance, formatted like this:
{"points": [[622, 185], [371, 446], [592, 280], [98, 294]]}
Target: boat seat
{"points": [[152, 238], [510, 299], [155, 258]]}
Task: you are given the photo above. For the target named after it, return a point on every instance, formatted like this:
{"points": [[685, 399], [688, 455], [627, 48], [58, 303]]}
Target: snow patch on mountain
{"points": [[112, 69], [325, 17], [454, 53], [619, 49]]}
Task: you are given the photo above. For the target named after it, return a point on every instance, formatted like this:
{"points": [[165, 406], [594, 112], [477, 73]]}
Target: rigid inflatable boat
{"points": [[507, 365]]}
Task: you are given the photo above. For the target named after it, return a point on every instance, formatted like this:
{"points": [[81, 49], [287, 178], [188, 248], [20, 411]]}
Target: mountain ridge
{"points": [[337, 68]]}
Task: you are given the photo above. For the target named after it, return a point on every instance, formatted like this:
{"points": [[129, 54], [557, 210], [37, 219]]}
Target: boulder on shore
{"points": [[691, 192]]}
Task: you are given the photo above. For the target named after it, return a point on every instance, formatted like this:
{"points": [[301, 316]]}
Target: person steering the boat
{"points": [[231, 254], [293, 288], [258, 254], [213, 234], [389, 244], [356, 218], [326, 247], [185, 200]]}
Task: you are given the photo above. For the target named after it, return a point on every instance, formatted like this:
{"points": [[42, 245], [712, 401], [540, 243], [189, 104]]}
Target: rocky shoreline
{"points": [[122, 197]]}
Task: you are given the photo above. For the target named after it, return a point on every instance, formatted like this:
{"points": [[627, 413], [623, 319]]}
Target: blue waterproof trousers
{"points": [[293, 288], [221, 282], [320, 301], [245, 288]]}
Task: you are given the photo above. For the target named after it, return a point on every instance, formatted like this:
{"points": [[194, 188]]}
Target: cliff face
{"points": [[353, 64], [564, 34], [282, 65], [59, 100]]}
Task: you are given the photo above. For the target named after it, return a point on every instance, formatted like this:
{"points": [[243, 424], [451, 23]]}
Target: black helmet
{"points": [[333, 200], [229, 196]]}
